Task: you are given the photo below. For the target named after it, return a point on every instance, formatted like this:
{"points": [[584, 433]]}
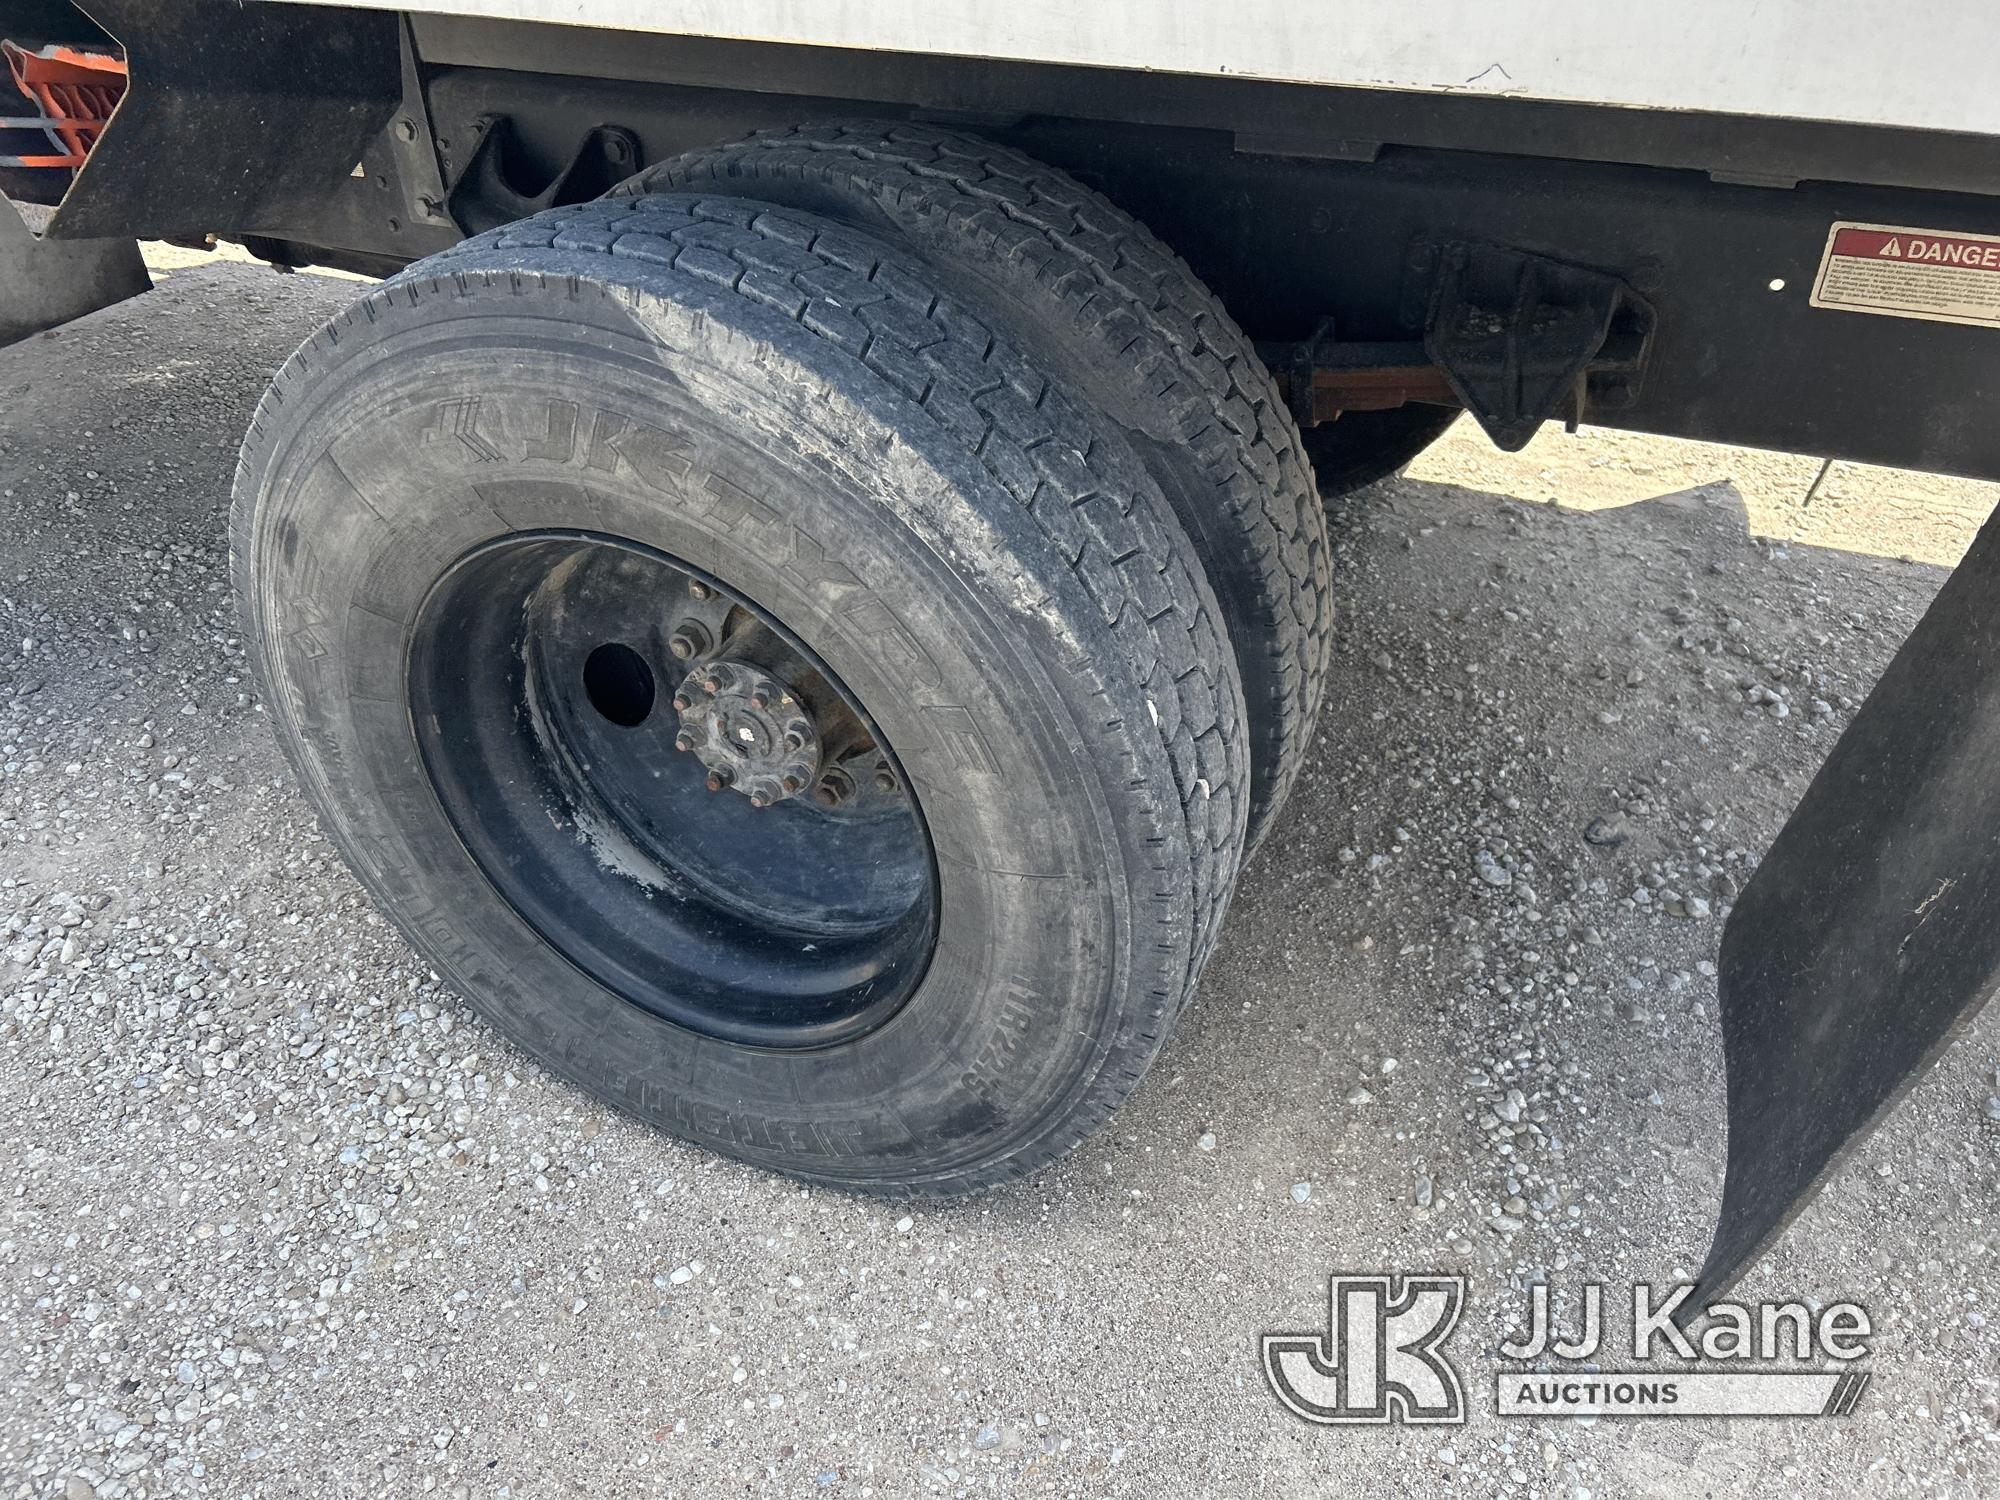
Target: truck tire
{"points": [[1361, 447], [1107, 307], [532, 536]]}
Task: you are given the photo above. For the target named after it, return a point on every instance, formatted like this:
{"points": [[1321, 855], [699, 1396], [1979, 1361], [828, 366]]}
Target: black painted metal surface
{"points": [[1514, 334], [237, 117]]}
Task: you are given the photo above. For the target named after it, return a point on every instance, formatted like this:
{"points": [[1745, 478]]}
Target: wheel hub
{"points": [[749, 730]]}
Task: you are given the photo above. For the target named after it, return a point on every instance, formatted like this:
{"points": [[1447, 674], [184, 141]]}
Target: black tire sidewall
{"points": [[1062, 946]]}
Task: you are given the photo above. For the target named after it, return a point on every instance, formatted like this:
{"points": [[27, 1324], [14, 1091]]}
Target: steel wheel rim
{"points": [[672, 790]]}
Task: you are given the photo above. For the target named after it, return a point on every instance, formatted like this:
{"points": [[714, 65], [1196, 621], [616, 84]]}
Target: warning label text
{"points": [[1911, 273]]}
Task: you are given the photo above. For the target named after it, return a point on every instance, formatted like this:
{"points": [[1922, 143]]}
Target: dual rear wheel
{"points": [[806, 664]]}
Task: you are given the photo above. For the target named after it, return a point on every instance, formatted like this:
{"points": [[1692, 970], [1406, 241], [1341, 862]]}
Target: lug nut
{"points": [[794, 740], [697, 590], [684, 742], [758, 799], [792, 784], [885, 779], [683, 702], [834, 788], [711, 685], [688, 641], [717, 780], [760, 696]]}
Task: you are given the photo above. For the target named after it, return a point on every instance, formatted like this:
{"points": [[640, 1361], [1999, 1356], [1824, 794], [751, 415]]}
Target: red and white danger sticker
{"points": [[1911, 273]]}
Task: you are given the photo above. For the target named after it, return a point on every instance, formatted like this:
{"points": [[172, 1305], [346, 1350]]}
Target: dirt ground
{"points": [[284, 1219]]}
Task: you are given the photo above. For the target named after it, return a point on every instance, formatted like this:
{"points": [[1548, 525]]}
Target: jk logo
{"points": [[1378, 1359]]}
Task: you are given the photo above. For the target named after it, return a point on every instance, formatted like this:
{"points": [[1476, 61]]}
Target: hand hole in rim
{"points": [[619, 684]]}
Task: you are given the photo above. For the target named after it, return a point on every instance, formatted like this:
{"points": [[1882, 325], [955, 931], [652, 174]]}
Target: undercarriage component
{"points": [[749, 730], [1867, 938], [1364, 408], [1325, 376], [73, 90], [1513, 337], [46, 282], [1376, 377], [238, 119], [1365, 446], [489, 192], [1521, 338]]}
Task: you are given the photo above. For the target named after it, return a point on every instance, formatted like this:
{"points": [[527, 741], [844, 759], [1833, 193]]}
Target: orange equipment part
{"points": [[75, 92]]}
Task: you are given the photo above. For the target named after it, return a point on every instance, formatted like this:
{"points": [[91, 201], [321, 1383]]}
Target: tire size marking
{"points": [[1932, 275], [989, 1075]]}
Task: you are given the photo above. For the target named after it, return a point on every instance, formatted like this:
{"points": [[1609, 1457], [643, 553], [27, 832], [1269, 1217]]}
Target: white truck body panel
{"points": [[1857, 61]]}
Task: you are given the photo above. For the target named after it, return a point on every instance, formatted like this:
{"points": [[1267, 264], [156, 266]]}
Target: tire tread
{"points": [[1141, 304]]}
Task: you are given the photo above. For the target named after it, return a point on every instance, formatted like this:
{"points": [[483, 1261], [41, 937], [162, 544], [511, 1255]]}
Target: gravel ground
{"points": [[285, 1219]]}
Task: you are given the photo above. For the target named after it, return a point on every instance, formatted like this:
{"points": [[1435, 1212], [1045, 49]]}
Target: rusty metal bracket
{"points": [[1523, 337], [1323, 376], [1514, 337]]}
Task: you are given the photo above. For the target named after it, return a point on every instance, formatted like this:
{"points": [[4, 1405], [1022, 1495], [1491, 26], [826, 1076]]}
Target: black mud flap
{"points": [[1870, 935], [44, 283]]}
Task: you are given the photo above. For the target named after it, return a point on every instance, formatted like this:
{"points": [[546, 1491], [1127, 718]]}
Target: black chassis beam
{"points": [[1287, 242], [250, 122]]}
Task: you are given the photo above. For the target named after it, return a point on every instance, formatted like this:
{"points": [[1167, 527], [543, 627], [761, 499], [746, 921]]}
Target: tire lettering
{"points": [[987, 1076], [557, 444], [813, 567], [959, 738], [730, 507], [658, 459], [458, 420], [830, 1139], [901, 653]]}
